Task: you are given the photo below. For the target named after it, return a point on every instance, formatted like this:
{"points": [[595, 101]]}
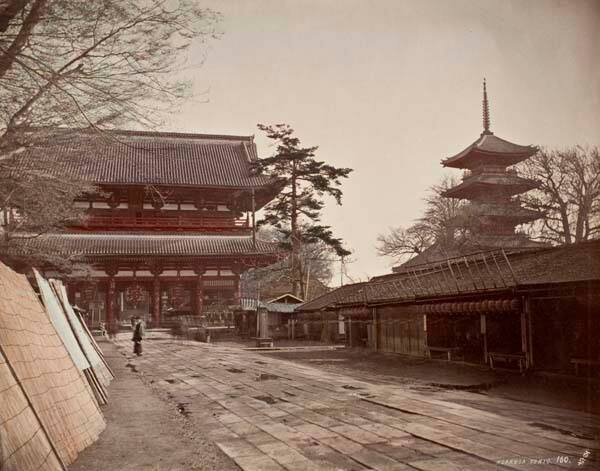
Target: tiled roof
{"points": [[137, 157], [473, 245], [478, 273], [347, 294], [108, 244], [504, 211], [288, 298], [477, 183], [249, 304], [565, 264], [283, 308], [491, 147]]}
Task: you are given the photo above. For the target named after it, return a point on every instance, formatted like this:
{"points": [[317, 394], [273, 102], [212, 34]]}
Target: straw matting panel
{"points": [[82, 335], [56, 388], [23, 442]]}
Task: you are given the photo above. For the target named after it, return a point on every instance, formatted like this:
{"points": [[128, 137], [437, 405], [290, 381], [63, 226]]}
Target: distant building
{"points": [[494, 210], [275, 317], [495, 298]]}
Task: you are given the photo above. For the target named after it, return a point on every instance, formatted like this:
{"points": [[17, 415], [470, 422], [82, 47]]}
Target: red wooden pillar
{"points": [[199, 292], [237, 292], [156, 302], [237, 295], [110, 301]]}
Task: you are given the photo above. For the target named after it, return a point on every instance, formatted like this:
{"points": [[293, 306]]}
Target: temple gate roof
{"points": [[151, 158], [138, 244]]}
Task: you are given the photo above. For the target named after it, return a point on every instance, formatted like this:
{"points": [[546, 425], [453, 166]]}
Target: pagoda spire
{"points": [[486, 111]]}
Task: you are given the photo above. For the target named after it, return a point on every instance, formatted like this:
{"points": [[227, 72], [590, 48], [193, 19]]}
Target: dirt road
{"points": [[145, 432]]}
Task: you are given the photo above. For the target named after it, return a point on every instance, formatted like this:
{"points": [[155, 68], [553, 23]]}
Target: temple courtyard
{"points": [[188, 405]]}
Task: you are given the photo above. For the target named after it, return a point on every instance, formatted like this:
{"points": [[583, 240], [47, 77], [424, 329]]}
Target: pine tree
{"points": [[296, 211]]}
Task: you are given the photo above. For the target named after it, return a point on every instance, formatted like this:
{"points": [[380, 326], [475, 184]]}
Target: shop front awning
{"points": [[488, 306]]}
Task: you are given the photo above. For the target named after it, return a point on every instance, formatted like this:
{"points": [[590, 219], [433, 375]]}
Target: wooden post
{"points": [[263, 328], [156, 302], [524, 330], [236, 269], [293, 328], [199, 295], [374, 330], [110, 302], [529, 331], [425, 344], [350, 331], [257, 326], [237, 295], [483, 330], [523, 333]]}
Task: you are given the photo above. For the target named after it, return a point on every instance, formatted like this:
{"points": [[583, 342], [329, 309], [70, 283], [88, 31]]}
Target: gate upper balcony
{"points": [[159, 181], [175, 217]]}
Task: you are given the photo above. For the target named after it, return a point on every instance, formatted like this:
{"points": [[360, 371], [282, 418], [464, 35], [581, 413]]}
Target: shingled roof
{"points": [[347, 294], [140, 244], [485, 272], [157, 158]]}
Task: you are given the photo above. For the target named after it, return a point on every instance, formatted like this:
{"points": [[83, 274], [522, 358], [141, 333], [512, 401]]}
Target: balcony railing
{"points": [[165, 223], [490, 170]]}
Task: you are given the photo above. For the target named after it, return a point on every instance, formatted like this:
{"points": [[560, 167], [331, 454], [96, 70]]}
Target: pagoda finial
{"points": [[486, 111]]}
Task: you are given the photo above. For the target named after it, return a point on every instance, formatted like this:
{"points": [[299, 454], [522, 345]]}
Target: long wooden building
{"points": [[528, 309], [170, 229]]}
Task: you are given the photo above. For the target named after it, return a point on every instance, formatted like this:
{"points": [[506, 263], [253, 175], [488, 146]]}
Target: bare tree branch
{"points": [[569, 193]]}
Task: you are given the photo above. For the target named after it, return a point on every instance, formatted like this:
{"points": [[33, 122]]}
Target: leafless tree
{"points": [[438, 224], [33, 202], [315, 261], [441, 213], [93, 64], [401, 243], [568, 196], [69, 65]]}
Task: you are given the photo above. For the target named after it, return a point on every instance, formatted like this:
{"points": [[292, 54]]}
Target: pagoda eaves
{"points": [[489, 186], [490, 150]]}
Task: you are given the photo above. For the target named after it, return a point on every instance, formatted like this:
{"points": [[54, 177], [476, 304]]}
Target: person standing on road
{"points": [[138, 335]]}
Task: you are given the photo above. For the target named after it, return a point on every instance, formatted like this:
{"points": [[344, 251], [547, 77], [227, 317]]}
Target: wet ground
{"points": [[551, 390], [145, 431], [267, 413]]}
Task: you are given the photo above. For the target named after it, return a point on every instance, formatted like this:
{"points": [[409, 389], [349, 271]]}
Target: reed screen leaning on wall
{"points": [[56, 393], [23, 443], [86, 342]]}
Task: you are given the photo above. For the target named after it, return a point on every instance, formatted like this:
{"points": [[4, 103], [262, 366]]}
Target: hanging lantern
{"points": [[135, 294]]}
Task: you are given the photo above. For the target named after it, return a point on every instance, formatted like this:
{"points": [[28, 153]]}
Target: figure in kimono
{"points": [[138, 335]]}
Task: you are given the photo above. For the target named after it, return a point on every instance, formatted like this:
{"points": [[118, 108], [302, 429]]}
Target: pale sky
{"points": [[390, 87]]}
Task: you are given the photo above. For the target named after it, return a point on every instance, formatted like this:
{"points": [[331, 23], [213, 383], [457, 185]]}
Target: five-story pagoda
{"points": [[494, 209]]}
